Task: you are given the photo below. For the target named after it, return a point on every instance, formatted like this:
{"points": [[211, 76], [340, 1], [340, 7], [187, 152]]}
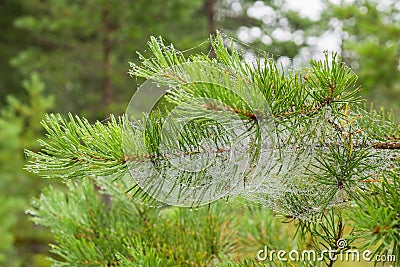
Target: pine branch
{"points": [[309, 112], [376, 218], [76, 148]]}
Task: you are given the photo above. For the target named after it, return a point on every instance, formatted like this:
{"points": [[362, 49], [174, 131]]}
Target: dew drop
{"points": [[30, 212]]}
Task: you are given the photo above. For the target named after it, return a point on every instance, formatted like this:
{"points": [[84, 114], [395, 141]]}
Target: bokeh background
{"points": [[72, 56]]}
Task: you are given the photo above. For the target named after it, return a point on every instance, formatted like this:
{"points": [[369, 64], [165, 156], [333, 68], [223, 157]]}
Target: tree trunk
{"points": [[209, 6], [106, 29]]}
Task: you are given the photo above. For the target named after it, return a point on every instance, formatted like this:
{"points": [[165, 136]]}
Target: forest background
{"points": [[72, 56]]}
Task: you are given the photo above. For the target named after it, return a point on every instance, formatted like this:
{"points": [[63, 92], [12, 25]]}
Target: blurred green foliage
{"points": [[134, 234], [12, 42], [370, 33], [19, 128], [56, 47], [71, 39], [8, 217]]}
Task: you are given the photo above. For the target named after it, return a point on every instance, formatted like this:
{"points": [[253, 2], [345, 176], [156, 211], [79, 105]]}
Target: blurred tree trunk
{"points": [[107, 90], [209, 8], [106, 28]]}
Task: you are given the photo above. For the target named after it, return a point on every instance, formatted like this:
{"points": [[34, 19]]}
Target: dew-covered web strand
{"points": [[209, 81], [207, 42], [273, 196]]}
